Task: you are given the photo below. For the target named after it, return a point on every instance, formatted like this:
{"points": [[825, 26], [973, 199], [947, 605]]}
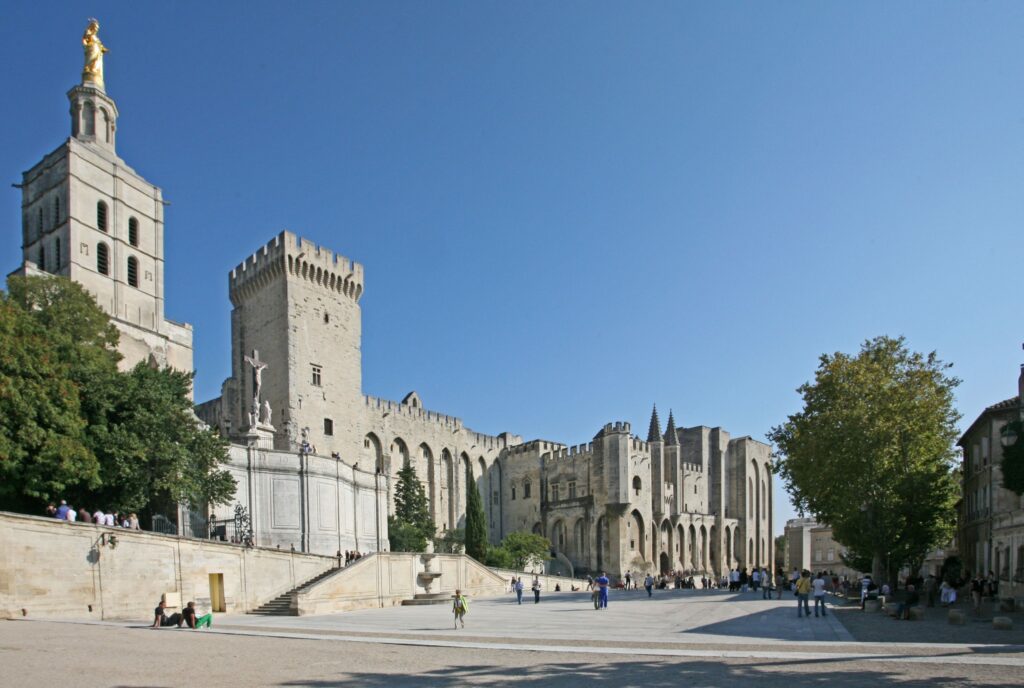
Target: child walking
{"points": [[459, 607]]}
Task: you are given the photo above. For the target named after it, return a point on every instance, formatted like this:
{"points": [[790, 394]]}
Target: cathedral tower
{"points": [[88, 216]]}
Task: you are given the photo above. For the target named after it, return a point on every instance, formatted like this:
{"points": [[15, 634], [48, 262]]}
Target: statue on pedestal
{"points": [[94, 49]]}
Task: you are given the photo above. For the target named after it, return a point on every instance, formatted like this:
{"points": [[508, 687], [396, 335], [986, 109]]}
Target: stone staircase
{"points": [[282, 604]]}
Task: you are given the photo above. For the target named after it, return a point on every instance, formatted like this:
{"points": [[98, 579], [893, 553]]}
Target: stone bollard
{"points": [[916, 613], [872, 605], [1002, 623], [957, 617]]}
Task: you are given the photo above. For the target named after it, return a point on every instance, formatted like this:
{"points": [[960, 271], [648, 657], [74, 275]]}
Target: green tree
{"points": [[526, 549], [411, 524], [1012, 463], [43, 448], [153, 451], [499, 557], [476, 521], [871, 453], [451, 541]]}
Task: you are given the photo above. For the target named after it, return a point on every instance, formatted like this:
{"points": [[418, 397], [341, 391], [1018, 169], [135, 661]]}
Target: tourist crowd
{"points": [[113, 519]]}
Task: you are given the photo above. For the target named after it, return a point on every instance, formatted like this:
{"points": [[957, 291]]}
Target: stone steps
{"points": [[282, 604]]}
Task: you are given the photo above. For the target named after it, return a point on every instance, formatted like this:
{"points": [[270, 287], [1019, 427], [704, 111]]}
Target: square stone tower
{"points": [[88, 216], [296, 310]]}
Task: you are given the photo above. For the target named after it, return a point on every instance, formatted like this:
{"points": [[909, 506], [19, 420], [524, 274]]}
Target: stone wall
{"points": [[75, 570]]}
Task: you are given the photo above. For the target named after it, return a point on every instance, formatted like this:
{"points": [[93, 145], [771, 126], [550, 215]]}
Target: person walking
{"points": [[766, 584], [649, 585], [602, 590], [819, 594], [803, 591], [536, 589], [519, 590], [460, 605]]}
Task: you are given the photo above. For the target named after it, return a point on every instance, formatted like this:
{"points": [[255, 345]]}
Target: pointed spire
{"points": [[670, 432], [654, 434]]}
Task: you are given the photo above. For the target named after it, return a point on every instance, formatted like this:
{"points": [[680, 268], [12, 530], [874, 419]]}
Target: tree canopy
{"points": [[411, 524], [872, 452], [73, 426], [476, 520], [525, 549]]}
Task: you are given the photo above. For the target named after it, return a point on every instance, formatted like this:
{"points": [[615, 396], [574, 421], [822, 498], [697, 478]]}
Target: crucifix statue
{"points": [[258, 367]]}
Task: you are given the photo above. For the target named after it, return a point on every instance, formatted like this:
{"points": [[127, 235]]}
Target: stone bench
{"points": [[957, 617], [1002, 623]]}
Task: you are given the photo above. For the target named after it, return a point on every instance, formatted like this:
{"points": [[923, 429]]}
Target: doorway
{"points": [[217, 592]]}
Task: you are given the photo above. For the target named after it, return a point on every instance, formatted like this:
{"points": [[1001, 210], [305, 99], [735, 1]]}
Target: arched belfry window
{"points": [[101, 216], [133, 231], [90, 119], [102, 259], [133, 271]]}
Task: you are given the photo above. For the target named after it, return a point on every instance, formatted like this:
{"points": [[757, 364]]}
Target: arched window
{"points": [[636, 484], [526, 490], [513, 493], [133, 271], [133, 231], [42, 258], [56, 254], [90, 120], [101, 216], [102, 259], [56, 211]]}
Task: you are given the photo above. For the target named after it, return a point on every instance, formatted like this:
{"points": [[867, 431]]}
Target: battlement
{"points": [[638, 444], [579, 451], [536, 446], [618, 427], [450, 423], [291, 255]]}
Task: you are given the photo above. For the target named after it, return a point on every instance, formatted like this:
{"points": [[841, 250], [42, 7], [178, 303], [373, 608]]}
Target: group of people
{"points": [[516, 585], [804, 588], [351, 556], [187, 617], [113, 519]]}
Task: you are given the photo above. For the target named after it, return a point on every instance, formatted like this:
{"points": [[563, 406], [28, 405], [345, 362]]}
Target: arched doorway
{"points": [[664, 563], [447, 491], [636, 535], [601, 542]]}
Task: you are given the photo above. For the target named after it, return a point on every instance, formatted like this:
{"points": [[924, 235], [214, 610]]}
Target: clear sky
{"points": [[568, 211]]}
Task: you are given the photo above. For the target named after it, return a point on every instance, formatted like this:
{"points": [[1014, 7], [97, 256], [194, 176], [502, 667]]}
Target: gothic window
{"points": [[56, 211], [133, 231], [572, 490], [317, 376], [554, 492], [102, 259], [90, 120], [636, 484], [42, 258], [101, 216], [526, 490], [56, 255], [40, 220], [133, 271], [328, 427]]}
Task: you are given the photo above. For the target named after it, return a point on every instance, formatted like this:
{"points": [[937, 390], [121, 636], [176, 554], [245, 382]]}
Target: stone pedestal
{"points": [[957, 617], [260, 436]]}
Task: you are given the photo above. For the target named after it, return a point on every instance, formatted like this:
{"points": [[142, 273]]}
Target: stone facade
{"points": [[810, 545], [991, 527], [90, 217], [315, 458]]}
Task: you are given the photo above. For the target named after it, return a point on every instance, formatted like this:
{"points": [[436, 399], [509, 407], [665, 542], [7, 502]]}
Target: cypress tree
{"points": [[476, 521], [411, 525]]}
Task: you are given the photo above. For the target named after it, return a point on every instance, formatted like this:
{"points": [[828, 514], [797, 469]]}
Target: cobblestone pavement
{"points": [[677, 638]]}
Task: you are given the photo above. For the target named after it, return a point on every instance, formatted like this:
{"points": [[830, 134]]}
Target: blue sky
{"points": [[569, 211]]}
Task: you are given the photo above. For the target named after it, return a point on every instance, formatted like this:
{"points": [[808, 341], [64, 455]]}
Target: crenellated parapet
{"points": [[296, 258]]}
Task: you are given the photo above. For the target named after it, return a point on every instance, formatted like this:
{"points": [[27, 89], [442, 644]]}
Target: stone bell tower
{"points": [[88, 216]]}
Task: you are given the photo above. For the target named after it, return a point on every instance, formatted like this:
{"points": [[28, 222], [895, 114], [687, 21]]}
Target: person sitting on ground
{"points": [[913, 599], [189, 614], [161, 618]]}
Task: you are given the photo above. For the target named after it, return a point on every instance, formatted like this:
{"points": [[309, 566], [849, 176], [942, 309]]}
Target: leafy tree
{"points": [[871, 453], [526, 549], [411, 524], [72, 425], [499, 557], [43, 449], [153, 451], [1012, 464], [476, 521]]}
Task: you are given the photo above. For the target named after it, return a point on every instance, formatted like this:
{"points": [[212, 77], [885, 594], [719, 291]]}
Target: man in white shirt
{"points": [[819, 594], [97, 517], [755, 579], [108, 520]]}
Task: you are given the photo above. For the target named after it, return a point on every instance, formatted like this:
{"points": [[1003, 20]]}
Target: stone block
{"points": [[916, 613], [1007, 604], [957, 617], [1002, 623], [872, 605]]}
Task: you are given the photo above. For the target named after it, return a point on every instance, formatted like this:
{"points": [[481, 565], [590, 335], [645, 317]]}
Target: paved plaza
{"points": [[690, 638]]}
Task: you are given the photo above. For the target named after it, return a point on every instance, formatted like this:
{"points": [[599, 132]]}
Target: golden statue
{"points": [[94, 49]]}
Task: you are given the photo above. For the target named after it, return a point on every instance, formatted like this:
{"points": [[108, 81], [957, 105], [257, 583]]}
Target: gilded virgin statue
{"points": [[94, 49]]}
